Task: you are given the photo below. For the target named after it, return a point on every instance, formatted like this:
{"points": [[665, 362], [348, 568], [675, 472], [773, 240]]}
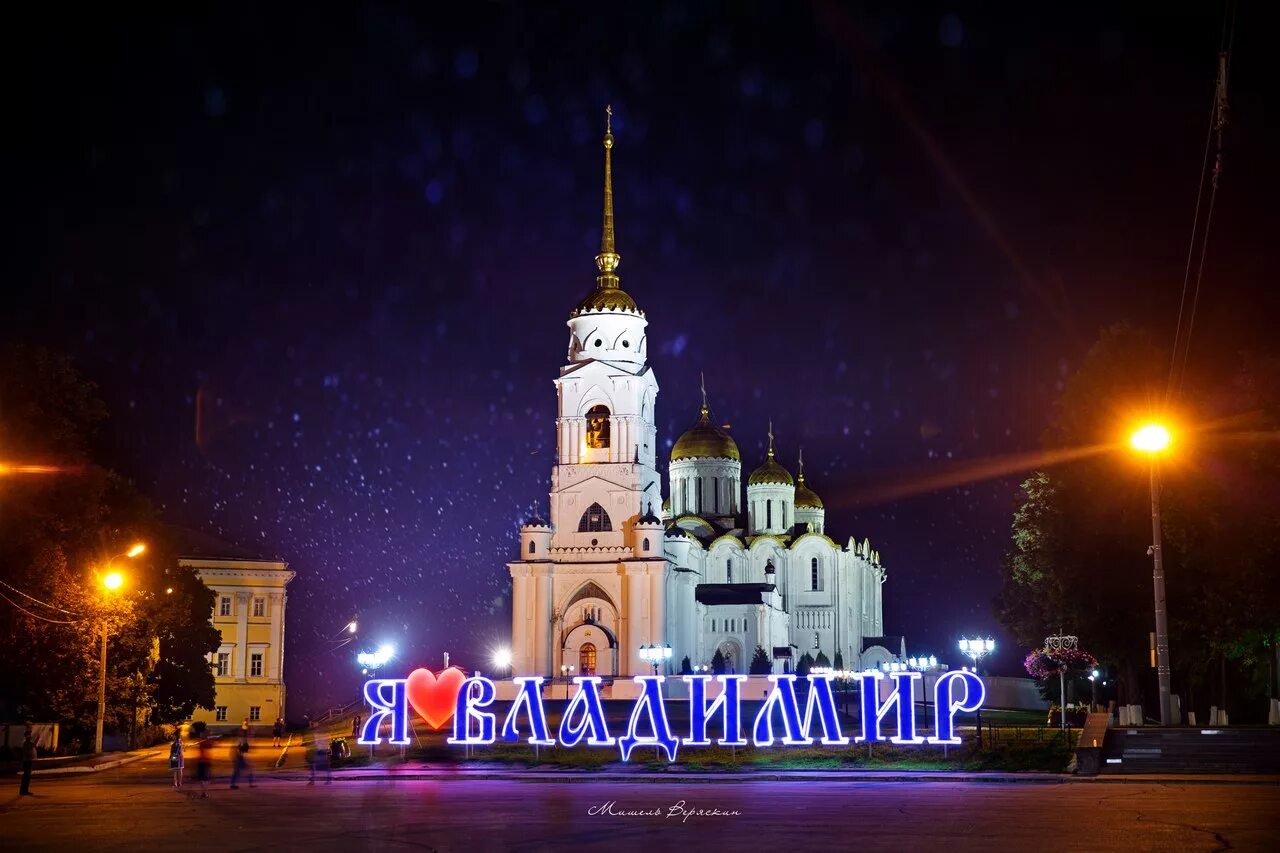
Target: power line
{"points": [[37, 615], [38, 601]]}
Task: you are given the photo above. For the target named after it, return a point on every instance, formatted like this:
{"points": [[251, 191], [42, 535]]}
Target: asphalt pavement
{"points": [[133, 807]]}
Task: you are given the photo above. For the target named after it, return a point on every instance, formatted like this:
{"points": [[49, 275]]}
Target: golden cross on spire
{"points": [[770, 438], [801, 472], [608, 259], [702, 378]]}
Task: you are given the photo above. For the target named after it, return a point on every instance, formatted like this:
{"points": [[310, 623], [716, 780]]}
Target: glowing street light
{"points": [[977, 649], [352, 626], [1153, 439], [502, 660], [655, 654], [111, 581], [378, 659]]}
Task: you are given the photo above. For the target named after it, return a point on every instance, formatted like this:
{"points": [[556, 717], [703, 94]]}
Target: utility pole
{"points": [[102, 691], [1162, 618]]}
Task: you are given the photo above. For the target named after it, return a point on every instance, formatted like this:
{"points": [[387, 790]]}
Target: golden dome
{"points": [[608, 299], [770, 472], [806, 498], [705, 441]]}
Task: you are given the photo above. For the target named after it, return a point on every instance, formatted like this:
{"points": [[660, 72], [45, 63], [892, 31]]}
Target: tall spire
{"points": [[706, 410], [800, 473], [608, 259], [770, 438]]}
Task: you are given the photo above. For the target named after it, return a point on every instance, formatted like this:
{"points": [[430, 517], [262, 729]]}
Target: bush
{"points": [[686, 668], [718, 665], [760, 662]]}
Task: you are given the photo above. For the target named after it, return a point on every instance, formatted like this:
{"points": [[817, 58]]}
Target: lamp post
{"points": [[1153, 439], [923, 665], [111, 581], [566, 670], [655, 654], [1055, 644], [977, 649], [1093, 689]]}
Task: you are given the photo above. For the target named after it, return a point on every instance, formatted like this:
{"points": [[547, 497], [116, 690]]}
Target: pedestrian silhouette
{"points": [[176, 759], [320, 759], [241, 759], [204, 765], [28, 759], [277, 732]]}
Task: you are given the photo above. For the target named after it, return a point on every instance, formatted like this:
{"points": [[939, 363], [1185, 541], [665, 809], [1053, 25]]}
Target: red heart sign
{"points": [[434, 697]]}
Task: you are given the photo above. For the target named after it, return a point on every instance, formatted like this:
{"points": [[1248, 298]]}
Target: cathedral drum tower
{"points": [[590, 585]]}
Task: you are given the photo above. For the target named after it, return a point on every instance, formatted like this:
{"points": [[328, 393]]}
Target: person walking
{"points": [[204, 765], [355, 728], [176, 759], [242, 764], [28, 759], [277, 732], [320, 759]]}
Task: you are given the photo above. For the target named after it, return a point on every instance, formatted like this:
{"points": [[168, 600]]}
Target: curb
{"points": [[91, 768]]}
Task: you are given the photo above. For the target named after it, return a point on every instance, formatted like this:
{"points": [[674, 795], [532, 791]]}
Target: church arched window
{"points": [[595, 520], [728, 570], [814, 579], [646, 544], [598, 427], [531, 546]]}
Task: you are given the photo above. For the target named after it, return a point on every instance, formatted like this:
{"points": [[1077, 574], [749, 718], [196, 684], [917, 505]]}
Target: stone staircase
{"points": [[1236, 749]]}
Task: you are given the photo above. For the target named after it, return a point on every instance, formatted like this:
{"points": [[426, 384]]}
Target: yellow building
{"points": [[248, 610]]}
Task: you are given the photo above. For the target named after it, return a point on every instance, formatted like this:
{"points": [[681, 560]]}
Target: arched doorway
{"points": [[587, 659]]}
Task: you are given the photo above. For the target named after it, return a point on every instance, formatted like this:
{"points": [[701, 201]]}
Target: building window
{"points": [[220, 713], [697, 490], [594, 520], [255, 713], [813, 574], [224, 606], [255, 665], [713, 626], [598, 427], [530, 546], [768, 513], [728, 571], [224, 663], [646, 543], [259, 607], [715, 494]]}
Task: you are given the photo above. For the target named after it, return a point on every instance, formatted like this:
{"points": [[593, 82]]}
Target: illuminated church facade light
{"points": [[615, 567]]}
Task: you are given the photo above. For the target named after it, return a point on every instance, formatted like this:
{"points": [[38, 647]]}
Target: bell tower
{"points": [[606, 541]]}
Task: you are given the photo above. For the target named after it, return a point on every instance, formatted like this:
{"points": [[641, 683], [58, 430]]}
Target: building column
{"points": [[634, 636], [240, 658], [657, 605], [522, 644], [275, 662]]}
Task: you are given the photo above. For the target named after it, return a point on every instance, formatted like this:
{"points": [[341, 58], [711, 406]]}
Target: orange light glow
{"points": [[9, 469], [113, 580], [1151, 438], [136, 550]]}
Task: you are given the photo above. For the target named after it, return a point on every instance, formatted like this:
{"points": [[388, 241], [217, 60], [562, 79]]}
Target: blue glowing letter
{"points": [[466, 711], [873, 712], [530, 696], [975, 693], [387, 697], [651, 701], [729, 703], [587, 699], [783, 698]]}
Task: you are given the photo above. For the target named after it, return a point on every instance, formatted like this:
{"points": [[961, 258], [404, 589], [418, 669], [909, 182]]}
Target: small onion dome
{"points": [[607, 299], [806, 498], [649, 517], [535, 520], [666, 506], [770, 472], [704, 440]]}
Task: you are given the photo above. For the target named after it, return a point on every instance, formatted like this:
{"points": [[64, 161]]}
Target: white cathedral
{"points": [[616, 567]]}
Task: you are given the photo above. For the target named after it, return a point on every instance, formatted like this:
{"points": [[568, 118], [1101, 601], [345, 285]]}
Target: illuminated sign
{"points": [[781, 718]]}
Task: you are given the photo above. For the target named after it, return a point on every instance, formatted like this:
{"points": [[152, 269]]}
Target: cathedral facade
{"points": [[615, 567]]}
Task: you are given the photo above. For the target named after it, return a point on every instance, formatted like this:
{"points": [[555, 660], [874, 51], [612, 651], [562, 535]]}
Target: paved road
{"points": [[134, 808]]}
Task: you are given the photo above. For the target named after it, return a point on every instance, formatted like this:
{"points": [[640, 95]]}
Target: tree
{"points": [[686, 668], [1077, 555], [760, 662], [57, 533], [805, 664], [839, 660], [822, 661], [718, 664]]}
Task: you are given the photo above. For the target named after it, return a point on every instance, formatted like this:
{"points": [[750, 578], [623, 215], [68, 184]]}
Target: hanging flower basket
{"points": [[1041, 664]]}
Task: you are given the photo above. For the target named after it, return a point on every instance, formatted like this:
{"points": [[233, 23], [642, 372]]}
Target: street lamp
{"points": [[1057, 644], [376, 660], [566, 670], [502, 660], [655, 654], [1093, 688], [977, 649], [111, 581], [1153, 440]]}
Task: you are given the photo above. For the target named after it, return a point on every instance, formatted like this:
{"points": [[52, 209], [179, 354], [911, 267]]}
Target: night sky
{"points": [[320, 263]]}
